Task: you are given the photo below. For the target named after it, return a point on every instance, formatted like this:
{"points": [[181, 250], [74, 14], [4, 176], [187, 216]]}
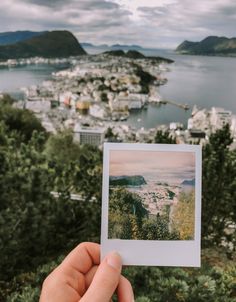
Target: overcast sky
{"points": [[172, 167], [149, 23]]}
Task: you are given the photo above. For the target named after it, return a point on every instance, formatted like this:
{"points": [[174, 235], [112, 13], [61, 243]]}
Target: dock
{"points": [[183, 106]]}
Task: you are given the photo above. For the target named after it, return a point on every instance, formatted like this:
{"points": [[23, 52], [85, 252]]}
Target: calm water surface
{"points": [[14, 78]]}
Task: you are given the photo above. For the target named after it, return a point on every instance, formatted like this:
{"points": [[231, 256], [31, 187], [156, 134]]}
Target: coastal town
{"points": [[95, 96], [157, 198]]}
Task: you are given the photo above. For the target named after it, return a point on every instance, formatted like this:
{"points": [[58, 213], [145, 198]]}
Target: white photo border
{"points": [[185, 253]]}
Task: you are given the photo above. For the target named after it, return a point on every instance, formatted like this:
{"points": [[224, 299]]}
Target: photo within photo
{"points": [[151, 195]]}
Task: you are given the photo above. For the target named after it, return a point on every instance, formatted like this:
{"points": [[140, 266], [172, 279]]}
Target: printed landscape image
{"points": [[151, 195]]}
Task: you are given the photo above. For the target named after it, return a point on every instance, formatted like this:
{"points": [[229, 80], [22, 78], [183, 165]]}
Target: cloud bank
{"points": [[153, 23]]}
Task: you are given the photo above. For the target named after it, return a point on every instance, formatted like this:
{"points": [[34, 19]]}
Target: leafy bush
{"points": [[36, 227], [153, 284]]}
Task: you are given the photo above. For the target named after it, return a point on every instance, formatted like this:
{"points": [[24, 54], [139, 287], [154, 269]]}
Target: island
{"points": [[134, 54], [211, 46], [136, 180]]}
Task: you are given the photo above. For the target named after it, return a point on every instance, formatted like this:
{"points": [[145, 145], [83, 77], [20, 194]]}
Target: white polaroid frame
{"points": [[148, 252]]}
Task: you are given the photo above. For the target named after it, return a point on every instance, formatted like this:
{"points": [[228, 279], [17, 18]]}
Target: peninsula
{"points": [[211, 46]]}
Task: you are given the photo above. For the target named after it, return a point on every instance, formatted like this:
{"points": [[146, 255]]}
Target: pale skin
{"points": [[81, 277]]}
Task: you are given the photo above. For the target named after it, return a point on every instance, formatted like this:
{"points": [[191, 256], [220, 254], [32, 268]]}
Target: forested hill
{"points": [[211, 45], [7, 38], [188, 182], [134, 54], [136, 180], [48, 45]]}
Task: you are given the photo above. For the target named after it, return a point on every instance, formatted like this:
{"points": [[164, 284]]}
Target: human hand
{"points": [[81, 277]]}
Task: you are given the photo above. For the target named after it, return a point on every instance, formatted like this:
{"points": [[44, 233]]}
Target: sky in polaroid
{"points": [[152, 203]]}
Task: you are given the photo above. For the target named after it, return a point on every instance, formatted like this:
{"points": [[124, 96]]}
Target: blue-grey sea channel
{"points": [[202, 80]]}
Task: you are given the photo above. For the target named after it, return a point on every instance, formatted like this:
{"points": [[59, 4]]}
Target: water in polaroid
{"points": [[151, 204]]}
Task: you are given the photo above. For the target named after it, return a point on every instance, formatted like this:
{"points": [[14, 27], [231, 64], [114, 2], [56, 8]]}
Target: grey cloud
{"points": [[48, 3], [82, 4], [100, 21], [150, 11]]}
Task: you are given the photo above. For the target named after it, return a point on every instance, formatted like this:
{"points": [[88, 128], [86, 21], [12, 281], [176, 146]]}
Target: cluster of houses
{"points": [[35, 61], [98, 93], [203, 122]]}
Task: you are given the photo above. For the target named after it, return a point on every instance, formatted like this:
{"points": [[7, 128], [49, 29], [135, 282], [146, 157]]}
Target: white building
{"points": [[119, 104], [199, 120], [97, 111], [220, 117], [38, 106], [128, 102], [89, 136], [137, 101], [233, 126]]}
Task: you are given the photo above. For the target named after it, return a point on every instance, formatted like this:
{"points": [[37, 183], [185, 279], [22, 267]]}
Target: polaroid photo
{"points": [[151, 204]]}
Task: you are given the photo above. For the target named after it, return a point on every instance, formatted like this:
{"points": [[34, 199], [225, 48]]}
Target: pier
{"points": [[183, 106]]}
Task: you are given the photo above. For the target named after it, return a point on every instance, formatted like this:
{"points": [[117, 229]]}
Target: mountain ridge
{"points": [[124, 180], [134, 54], [50, 44], [211, 45], [12, 37], [189, 182]]}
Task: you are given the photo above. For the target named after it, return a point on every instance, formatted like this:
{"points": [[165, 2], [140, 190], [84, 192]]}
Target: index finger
{"points": [[83, 257]]}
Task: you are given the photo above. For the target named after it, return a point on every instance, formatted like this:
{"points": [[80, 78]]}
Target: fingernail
{"points": [[114, 260]]}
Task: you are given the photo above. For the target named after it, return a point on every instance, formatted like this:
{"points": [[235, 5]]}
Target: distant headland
{"points": [[49, 44], [211, 46], [134, 54]]}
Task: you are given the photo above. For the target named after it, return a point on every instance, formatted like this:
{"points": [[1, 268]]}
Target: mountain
{"points": [[8, 38], [90, 45], [126, 47], [48, 45], [136, 180], [112, 47], [189, 182], [134, 54], [211, 45]]}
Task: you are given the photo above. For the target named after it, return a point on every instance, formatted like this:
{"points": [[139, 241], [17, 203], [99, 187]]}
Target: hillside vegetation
{"points": [[212, 45], [134, 54], [48, 45], [38, 229], [7, 38], [136, 180]]}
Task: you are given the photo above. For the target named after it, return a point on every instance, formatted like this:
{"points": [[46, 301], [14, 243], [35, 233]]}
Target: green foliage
{"points": [[110, 136], [219, 188], [211, 45], [164, 137], [135, 180], [157, 229], [48, 44], [6, 100], [183, 216], [27, 286], [178, 285], [61, 148], [23, 122], [145, 78], [126, 202], [128, 219], [125, 214], [104, 97], [35, 226]]}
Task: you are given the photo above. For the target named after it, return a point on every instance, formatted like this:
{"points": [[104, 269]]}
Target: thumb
{"points": [[105, 280]]}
